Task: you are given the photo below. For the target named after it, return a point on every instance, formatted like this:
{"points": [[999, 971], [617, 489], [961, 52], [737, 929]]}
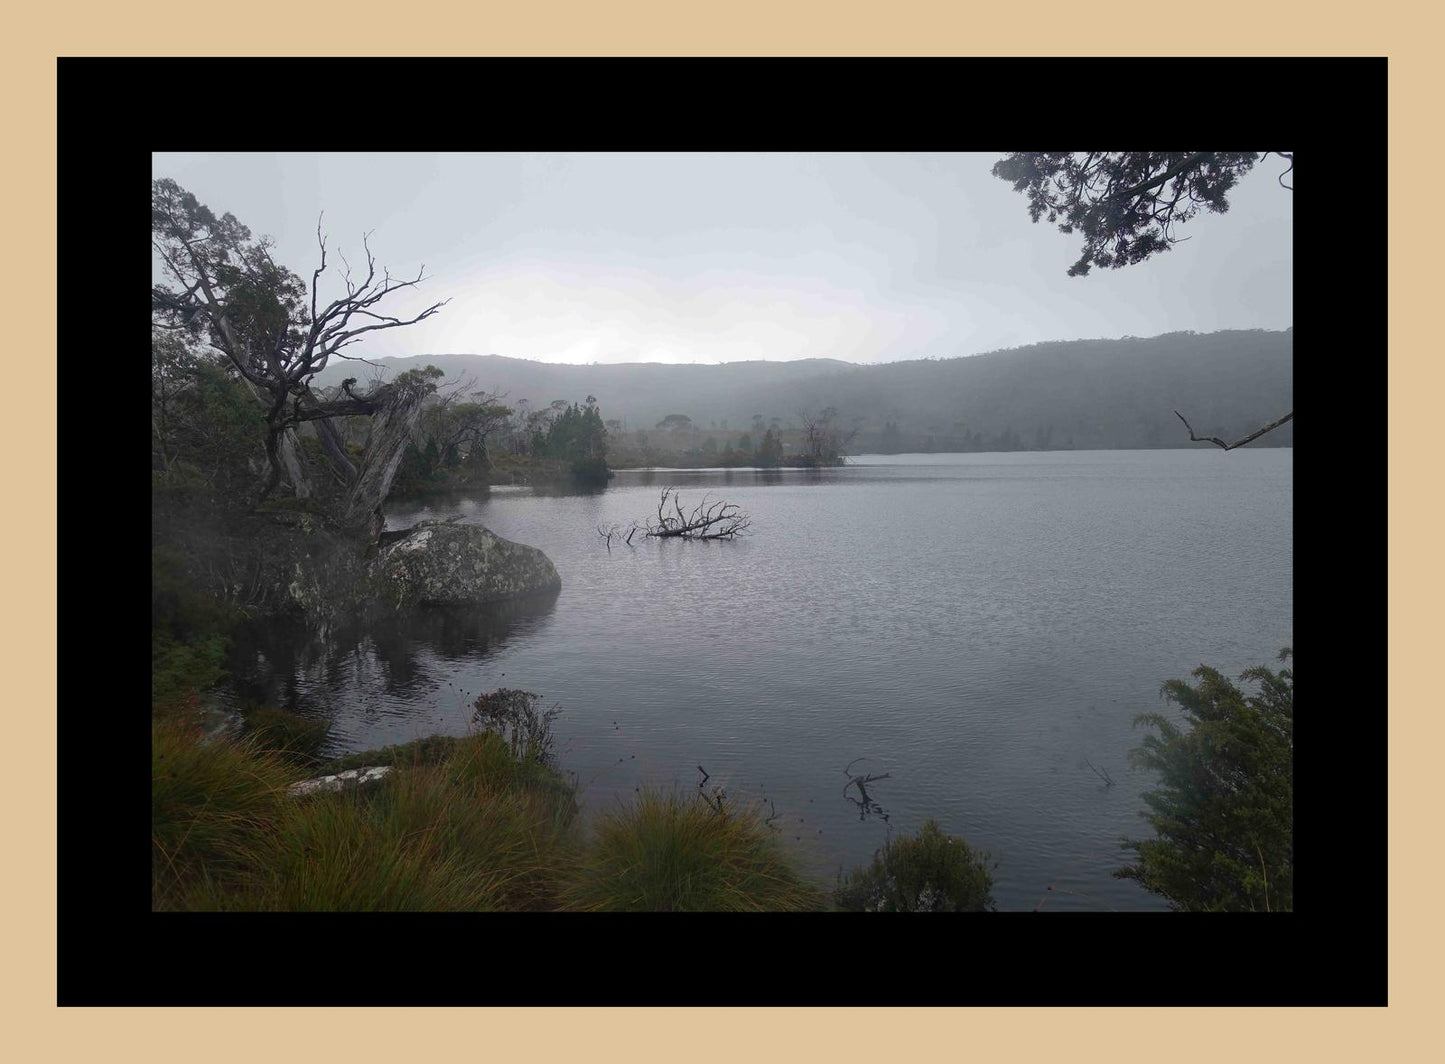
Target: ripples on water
{"points": [[975, 625]]}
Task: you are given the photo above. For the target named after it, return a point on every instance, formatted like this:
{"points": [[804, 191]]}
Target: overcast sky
{"points": [[723, 257]]}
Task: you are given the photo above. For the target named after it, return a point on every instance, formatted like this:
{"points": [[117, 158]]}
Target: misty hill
{"points": [[1072, 394]]}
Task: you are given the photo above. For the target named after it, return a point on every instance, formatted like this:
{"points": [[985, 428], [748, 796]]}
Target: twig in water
{"points": [[1078, 894], [768, 820], [1108, 780], [864, 802]]}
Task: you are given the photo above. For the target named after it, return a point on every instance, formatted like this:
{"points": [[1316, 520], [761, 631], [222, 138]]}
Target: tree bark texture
{"points": [[392, 428]]}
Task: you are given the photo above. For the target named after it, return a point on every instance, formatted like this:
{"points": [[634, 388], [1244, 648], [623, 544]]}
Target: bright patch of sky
{"points": [[724, 257]]}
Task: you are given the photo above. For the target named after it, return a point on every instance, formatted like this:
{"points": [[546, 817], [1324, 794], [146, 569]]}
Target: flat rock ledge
{"points": [[443, 563], [349, 780]]}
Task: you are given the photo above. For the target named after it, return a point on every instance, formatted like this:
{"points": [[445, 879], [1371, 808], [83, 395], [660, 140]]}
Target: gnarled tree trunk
{"points": [[286, 447], [392, 427]]}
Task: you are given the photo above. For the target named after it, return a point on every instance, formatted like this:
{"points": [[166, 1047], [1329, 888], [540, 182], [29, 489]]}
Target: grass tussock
{"points": [[297, 738], [473, 830], [426, 751], [459, 824], [476, 832], [210, 801], [668, 853]]}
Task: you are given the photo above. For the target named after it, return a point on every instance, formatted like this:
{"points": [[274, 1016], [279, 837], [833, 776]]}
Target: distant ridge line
{"points": [[1084, 394]]}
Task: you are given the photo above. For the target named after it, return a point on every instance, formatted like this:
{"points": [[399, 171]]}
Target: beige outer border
{"points": [[36, 34]]}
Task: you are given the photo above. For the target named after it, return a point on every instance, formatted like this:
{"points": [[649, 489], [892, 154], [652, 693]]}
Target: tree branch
{"points": [[1237, 443], [1155, 182]]}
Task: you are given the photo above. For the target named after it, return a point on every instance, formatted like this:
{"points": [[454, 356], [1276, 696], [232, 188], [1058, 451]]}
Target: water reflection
{"points": [[565, 488], [740, 475], [284, 664]]}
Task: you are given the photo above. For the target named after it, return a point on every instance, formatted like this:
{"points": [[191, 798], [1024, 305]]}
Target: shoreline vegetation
{"points": [[469, 823], [571, 448], [268, 507], [489, 821]]}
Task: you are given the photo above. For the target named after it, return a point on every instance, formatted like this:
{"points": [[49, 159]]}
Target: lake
{"points": [[981, 628]]}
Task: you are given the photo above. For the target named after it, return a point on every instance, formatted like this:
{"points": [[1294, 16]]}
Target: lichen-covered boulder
{"points": [[447, 564]]}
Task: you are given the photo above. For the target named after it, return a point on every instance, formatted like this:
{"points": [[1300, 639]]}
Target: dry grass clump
{"points": [[671, 853]]}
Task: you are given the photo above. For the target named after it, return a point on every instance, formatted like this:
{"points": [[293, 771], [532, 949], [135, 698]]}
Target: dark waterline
{"points": [[979, 627]]}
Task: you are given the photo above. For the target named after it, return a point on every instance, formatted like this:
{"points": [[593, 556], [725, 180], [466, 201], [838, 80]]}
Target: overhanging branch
{"points": [[1237, 443]]}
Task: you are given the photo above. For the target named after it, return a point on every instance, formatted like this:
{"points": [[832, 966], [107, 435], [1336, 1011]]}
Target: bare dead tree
{"points": [[255, 312], [812, 432], [824, 440], [718, 520]]}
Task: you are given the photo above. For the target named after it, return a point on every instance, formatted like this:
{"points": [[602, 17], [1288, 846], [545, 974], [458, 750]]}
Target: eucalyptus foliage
{"points": [[1125, 204]]}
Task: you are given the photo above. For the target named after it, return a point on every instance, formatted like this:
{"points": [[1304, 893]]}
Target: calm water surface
{"points": [[978, 627]]}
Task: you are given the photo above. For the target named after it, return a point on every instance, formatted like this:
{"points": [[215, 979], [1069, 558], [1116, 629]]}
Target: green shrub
{"points": [[516, 718], [670, 853], [188, 632], [1224, 811], [933, 872], [180, 669]]}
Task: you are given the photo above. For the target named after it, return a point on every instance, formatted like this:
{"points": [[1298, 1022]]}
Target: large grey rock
{"points": [[440, 563]]}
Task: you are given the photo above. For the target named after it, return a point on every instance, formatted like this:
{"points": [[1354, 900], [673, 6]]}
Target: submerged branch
{"points": [[718, 520]]}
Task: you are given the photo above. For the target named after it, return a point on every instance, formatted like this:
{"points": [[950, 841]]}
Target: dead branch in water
{"points": [[864, 802], [615, 531], [768, 820], [718, 520], [1104, 775]]}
